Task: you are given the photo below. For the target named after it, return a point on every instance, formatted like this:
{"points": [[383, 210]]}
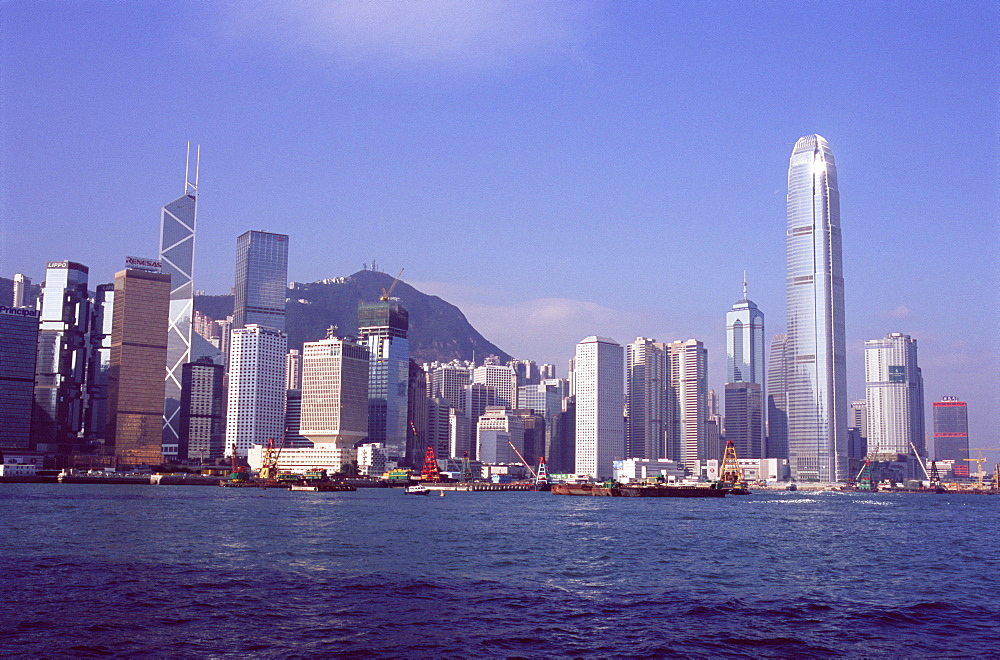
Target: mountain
{"points": [[438, 329]]}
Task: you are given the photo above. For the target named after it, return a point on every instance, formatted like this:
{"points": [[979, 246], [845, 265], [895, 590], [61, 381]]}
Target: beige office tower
{"points": [[335, 396], [687, 366]]}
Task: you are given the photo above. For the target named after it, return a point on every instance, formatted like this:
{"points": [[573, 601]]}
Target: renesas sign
{"points": [[18, 311], [143, 263]]}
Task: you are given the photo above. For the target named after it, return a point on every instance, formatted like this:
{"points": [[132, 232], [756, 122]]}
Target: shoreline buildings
{"points": [[256, 406], [816, 361], [18, 352], [951, 430], [687, 392], [382, 327], [646, 399]]}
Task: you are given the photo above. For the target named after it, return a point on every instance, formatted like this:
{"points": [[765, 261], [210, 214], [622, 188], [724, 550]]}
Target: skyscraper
{"points": [[951, 430], [138, 356], [335, 395], [502, 378], [22, 287], [61, 368], [261, 280], [382, 326], [687, 401], [256, 407], [646, 399], [99, 363], [203, 411], [448, 381], [18, 352], [600, 401], [744, 389], [817, 381], [778, 367], [177, 231], [745, 342], [894, 390]]}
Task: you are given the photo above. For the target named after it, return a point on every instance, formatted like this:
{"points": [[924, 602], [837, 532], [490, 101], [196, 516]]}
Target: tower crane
{"points": [[387, 294], [979, 464]]}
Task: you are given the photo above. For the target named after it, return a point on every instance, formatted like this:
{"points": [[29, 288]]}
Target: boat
{"points": [[419, 489], [325, 487], [641, 490], [791, 487], [599, 490]]}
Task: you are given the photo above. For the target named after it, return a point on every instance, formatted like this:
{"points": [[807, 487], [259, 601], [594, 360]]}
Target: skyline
{"points": [[499, 175]]}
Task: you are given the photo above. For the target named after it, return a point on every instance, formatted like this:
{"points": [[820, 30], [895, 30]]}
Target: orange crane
{"points": [[387, 294], [979, 464], [269, 466]]}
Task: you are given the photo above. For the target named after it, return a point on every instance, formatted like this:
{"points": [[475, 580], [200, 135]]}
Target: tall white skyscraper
{"points": [[817, 363], [894, 391], [256, 409], [600, 424], [22, 285], [687, 396], [335, 396], [646, 399]]}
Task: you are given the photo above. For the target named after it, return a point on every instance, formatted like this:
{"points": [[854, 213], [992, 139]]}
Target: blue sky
{"points": [[555, 169]]}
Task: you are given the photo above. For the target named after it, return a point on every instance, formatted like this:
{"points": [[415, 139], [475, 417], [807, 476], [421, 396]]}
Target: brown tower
{"points": [[138, 362]]}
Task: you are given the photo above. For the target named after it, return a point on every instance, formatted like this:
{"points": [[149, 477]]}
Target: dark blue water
{"points": [[187, 571]]}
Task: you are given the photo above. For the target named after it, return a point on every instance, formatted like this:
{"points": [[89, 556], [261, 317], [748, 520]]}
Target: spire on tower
{"points": [[744, 284]]}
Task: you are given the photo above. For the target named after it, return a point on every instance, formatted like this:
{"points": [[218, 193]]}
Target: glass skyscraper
{"points": [[177, 231], [744, 389], [382, 327], [816, 378], [261, 280]]}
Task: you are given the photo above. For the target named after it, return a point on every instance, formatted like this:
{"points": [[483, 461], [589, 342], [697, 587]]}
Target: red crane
{"points": [[430, 471]]}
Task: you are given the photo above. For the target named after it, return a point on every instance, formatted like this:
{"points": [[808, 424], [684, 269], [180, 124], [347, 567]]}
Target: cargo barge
{"points": [[605, 490]]}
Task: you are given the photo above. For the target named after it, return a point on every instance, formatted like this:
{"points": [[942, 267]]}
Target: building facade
{"points": [[497, 430], [383, 326], [951, 430], [18, 352], [894, 392], [203, 411], [61, 367], [600, 402], [744, 418], [22, 290], [99, 363], [255, 410], [687, 398], [502, 379], [646, 399], [817, 367], [335, 396], [261, 280], [778, 366], [138, 358]]}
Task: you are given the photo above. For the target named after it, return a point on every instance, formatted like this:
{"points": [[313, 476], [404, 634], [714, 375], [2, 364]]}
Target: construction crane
{"points": [[466, 468], [534, 475], [730, 470], [864, 478], [387, 294], [979, 464], [921, 462], [269, 466]]}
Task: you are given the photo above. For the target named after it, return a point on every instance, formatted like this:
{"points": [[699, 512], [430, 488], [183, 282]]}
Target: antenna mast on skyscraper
{"points": [[744, 284], [192, 188]]}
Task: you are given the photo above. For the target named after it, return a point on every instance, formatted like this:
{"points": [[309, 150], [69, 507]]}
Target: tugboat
{"points": [[419, 489]]}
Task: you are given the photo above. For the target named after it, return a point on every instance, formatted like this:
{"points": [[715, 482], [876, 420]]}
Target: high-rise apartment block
{"points": [[61, 367], [177, 233], [894, 390], [293, 370], [138, 358], [502, 379], [600, 402], [448, 381], [203, 411], [383, 327], [18, 352], [951, 430], [817, 364], [261, 280], [256, 407], [646, 399], [335, 395], [687, 398]]}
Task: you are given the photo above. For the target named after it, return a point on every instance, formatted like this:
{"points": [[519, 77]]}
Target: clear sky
{"points": [[555, 169]]}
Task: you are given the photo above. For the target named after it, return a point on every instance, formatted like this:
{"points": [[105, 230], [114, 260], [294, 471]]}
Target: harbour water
{"points": [[182, 572]]}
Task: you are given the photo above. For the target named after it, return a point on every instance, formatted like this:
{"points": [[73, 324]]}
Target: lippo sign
{"points": [[143, 263], [18, 311]]}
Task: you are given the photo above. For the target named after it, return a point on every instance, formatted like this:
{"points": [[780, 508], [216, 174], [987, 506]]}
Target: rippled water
{"points": [[188, 571]]}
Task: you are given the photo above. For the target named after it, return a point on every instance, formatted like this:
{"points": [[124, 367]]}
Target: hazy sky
{"points": [[555, 169]]}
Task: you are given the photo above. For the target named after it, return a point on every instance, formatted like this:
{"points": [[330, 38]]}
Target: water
{"points": [[187, 571]]}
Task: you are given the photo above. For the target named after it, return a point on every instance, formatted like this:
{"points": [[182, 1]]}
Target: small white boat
{"points": [[419, 489]]}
